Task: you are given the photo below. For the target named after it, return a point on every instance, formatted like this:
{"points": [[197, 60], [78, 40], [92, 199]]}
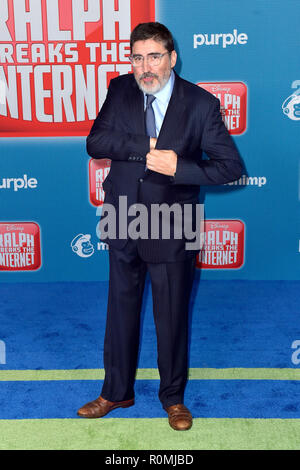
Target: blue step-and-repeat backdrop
{"points": [[56, 60]]}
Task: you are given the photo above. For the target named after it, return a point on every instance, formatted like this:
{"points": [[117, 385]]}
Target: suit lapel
{"points": [[173, 123], [172, 129], [135, 99]]}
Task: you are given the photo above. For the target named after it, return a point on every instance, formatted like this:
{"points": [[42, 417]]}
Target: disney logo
{"points": [[217, 225], [219, 88], [10, 228]]}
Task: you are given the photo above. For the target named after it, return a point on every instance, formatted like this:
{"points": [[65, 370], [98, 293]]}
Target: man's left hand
{"points": [[162, 161]]}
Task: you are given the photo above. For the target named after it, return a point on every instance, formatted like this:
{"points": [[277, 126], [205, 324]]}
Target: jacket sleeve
{"points": [[105, 141], [224, 164]]}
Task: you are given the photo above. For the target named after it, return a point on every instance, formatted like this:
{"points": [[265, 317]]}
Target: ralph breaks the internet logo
{"points": [[222, 243], [98, 171], [57, 58], [233, 103], [20, 246]]}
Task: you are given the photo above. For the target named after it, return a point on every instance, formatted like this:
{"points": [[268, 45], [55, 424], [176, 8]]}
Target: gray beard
{"points": [[154, 89]]}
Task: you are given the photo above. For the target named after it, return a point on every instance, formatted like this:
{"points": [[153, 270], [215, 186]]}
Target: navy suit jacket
{"points": [[192, 124]]}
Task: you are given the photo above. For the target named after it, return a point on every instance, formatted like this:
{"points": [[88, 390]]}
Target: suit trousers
{"points": [[171, 287]]}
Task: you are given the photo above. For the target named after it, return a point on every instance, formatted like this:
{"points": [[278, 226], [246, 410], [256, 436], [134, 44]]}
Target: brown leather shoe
{"points": [[100, 407], [180, 417]]}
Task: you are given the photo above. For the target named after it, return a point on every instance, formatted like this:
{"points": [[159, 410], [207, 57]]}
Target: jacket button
{"points": [[141, 180]]}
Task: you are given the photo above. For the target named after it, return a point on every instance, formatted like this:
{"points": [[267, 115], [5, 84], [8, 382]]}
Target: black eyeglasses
{"points": [[153, 59]]}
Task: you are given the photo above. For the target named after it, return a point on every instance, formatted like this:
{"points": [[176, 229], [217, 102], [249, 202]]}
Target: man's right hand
{"points": [[153, 141]]}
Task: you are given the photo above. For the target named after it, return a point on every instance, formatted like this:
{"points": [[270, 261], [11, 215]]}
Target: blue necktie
{"points": [[150, 117]]}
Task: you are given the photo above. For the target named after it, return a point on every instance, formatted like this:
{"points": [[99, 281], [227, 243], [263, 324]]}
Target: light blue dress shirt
{"points": [[160, 105]]}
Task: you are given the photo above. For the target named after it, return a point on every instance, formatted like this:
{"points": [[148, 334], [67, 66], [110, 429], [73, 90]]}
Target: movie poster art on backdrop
{"points": [[20, 246], [57, 58], [98, 171], [233, 103], [223, 245]]}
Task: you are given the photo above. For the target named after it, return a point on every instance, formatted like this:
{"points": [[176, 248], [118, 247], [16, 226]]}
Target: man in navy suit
{"points": [[154, 127]]}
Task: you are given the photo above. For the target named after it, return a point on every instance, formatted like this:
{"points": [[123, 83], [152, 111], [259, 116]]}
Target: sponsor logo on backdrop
{"points": [[245, 180], [18, 183], [82, 246], [57, 58], [220, 39], [233, 103], [98, 171], [20, 246], [222, 245], [291, 105]]}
